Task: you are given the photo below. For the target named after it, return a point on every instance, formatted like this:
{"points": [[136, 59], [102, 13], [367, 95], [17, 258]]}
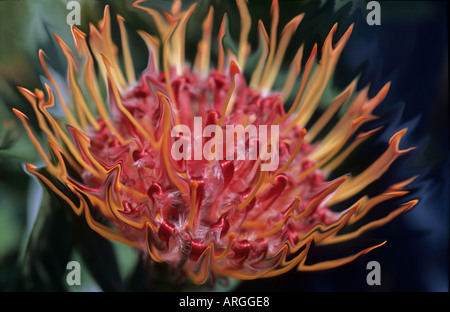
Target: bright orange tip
{"points": [[234, 69], [30, 167], [19, 114], [106, 61], [169, 18]]}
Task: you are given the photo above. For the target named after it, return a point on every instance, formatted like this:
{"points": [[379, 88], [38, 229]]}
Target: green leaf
{"points": [[99, 255], [48, 249]]}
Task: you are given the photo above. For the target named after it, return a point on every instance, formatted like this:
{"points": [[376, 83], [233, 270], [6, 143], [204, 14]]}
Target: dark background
{"points": [[410, 49]]}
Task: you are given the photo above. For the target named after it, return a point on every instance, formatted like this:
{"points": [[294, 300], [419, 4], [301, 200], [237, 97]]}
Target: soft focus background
{"points": [[410, 48]]}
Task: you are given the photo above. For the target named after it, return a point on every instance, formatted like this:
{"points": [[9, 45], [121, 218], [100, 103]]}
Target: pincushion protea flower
{"points": [[209, 218]]}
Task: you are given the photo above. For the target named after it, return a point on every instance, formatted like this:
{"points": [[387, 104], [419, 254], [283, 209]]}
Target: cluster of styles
{"points": [[131, 157]]}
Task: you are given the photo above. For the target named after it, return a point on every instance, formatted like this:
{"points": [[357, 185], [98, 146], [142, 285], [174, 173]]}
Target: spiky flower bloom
{"points": [[209, 218]]}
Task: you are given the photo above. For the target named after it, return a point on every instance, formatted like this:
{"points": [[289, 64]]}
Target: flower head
{"points": [[215, 217]]}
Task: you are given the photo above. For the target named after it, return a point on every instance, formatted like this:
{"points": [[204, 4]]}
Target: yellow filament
{"points": [[329, 58], [84, 142], [217, 257], [180, 38], [79, 101], [164, 138], [103, 45], [91, 82], [221, 52], [306, 73], [161, 24], [294, 154], [77, 210], [200, 275], [152, 44], [299, 259], [319, 80], [104, 230], [246, 23], [401, 185], [360, 106], [330, 111], [45, 113], [371, 225], [254, 275], [252, 195], [264, 42], [337, 262], [353, 127], [42, 123], [279, 266], [280, 224], [330, 189], [73, 151], [123, 108], [129, 69], [325, 232], [192, 210], [234, 69], [175, 10], [286, 36], [116, 207], [202, 58], [166, 65], [293, 72], [374, 171], [70, 118], [343, 155], [35, 142], [368, 204], [115, 204], [135, 193], [274, 13]]}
